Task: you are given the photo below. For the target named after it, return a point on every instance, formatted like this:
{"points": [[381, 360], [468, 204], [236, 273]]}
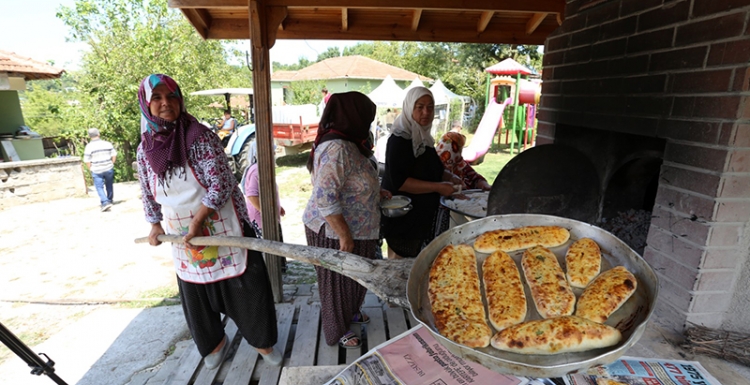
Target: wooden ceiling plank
{"points": [[300, 29], [534, 22], [484, 19], [548, 6], [415, 19], [344, 19]]}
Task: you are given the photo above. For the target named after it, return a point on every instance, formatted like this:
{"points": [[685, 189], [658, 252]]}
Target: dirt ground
{"points": [[64, 259]]}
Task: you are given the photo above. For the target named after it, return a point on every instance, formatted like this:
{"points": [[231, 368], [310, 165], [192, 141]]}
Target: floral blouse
{"points": [[207, 159], [344, 182]]}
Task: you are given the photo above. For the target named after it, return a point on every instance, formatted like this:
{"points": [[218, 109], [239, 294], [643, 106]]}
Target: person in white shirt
{"points": [[99, 156]]}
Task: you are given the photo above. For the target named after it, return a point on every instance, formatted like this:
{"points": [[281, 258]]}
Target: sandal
{"points": [[349, 336], [360, 318]]}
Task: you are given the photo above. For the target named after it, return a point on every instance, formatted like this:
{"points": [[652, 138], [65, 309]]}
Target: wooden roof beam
{"points": [[484, 20], [415, 19], [548, 6], [344, 19], [200, 19], [534, 22]]}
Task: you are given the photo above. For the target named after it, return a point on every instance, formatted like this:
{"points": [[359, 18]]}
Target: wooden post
{"points": [[264, 137]]}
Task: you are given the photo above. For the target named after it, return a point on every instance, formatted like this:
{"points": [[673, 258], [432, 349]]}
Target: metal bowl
{"points": [[630, 319], [395, 207]]}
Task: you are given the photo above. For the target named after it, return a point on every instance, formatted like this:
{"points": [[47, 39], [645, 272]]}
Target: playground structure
{"points": [[520, 116]]}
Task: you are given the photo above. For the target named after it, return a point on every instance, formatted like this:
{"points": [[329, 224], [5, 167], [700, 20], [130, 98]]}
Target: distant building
{"points": [[342, 74]]}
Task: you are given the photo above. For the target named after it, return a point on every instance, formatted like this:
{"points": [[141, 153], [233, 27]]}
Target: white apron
{"points": [[179, 202]]}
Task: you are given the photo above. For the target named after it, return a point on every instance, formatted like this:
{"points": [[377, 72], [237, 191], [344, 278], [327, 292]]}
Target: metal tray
{"points": [[630, 319], [469, 217]]}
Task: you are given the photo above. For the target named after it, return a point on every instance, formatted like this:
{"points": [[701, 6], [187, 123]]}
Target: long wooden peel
{"points": [[385, 278]]}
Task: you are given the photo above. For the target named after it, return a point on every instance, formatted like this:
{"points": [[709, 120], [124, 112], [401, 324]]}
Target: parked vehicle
{"points": [[239, 142]]}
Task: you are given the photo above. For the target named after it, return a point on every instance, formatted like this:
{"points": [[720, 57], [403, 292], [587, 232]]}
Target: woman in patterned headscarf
{"points": [[449, 150], [413, 168], [343, 212], [188, 189]]}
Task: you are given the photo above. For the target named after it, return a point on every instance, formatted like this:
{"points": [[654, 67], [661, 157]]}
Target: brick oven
{"points": [[665, 87]]}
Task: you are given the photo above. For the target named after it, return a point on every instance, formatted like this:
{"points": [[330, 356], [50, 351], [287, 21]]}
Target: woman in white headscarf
{"points": [[413, 169]]}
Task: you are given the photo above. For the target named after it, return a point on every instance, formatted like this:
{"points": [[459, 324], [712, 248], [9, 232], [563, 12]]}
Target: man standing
{"points": [[99, 157]]}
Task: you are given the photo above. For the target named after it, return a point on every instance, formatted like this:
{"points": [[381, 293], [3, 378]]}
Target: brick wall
{"points": [[40, 181], [678, 70]]}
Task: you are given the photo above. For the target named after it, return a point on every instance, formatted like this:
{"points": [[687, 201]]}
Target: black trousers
{"points": [[247, 299]]}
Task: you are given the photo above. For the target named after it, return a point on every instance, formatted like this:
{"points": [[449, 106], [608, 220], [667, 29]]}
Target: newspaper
{"points": [[643, 371], [416, 358]]}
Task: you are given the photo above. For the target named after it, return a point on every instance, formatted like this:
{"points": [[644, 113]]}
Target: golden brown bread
{"points": [[521, 238], [556, 335], [605, 294], [583, 262], [456, 298], [551, 293], [506, 300]]}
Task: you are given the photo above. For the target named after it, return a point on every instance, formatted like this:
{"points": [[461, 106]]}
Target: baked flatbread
{"points": [[456, 299], [556, 335], [506, 301], [550, 291], [605, 294], [521, 238], [583, 262]]}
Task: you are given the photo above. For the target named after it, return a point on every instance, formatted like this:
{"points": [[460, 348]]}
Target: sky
{"points": [[30, 28]]}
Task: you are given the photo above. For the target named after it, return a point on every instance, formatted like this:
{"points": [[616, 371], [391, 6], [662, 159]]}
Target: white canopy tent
{"points": [[387, 94], [444, 96], [414, 83]]}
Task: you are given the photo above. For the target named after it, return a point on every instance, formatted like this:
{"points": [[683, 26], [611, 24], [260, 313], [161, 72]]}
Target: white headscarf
{"points": [[406, 127]]}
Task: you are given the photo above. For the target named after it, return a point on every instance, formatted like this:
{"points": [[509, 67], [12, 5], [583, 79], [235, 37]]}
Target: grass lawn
{"points": [[295, 187]]}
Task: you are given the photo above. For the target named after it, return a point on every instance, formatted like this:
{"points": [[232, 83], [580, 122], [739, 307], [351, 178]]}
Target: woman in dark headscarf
{"points": [[188, 189], [343, 211], [413, 168]]}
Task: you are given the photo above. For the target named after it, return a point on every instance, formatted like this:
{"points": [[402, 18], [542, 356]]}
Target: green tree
{"points": [[305, 92], [129, 39], [329, 53]]}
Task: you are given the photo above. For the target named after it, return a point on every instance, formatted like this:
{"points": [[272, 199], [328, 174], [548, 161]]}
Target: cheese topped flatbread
{"points": [[521, 238], [605, 294], [608, 381], [583, 262], [550, 291], [556, 335], [456, 298], [506, 301]]}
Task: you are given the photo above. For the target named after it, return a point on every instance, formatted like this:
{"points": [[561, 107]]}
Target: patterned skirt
{"points": [[340, 297]]}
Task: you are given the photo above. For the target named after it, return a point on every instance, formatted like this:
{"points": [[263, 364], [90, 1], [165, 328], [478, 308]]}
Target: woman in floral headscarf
{"points": [[449, 150], [413, 168], [188, 189]]}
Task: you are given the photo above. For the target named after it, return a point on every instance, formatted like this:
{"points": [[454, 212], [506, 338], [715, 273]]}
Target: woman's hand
{"points": [[385, 194], [484, 185], [156, 230], [339, 226], [194, 230], [346, 244], [444, 188]]}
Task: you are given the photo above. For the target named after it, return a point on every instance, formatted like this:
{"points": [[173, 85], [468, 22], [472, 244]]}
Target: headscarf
{"points": [[406, 127], [449, 150], [166, 143], [347, 116]]}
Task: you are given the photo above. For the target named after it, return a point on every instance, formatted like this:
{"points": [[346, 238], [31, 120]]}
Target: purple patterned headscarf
{"points": [[166, 143]]}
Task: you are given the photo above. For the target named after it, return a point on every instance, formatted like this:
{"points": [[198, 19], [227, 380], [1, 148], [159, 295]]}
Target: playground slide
{"points": [[486, 131]]}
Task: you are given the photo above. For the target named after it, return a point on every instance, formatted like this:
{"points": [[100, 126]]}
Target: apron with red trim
{"points": [[179, 202]]}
